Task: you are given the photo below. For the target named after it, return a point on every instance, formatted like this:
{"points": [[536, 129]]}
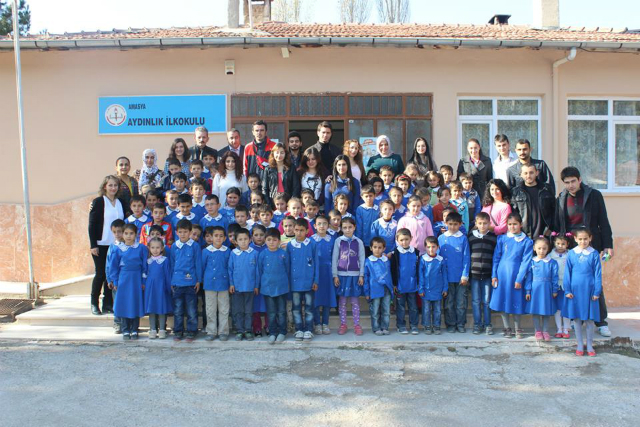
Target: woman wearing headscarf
{"points": [[421, 157], [385, 157], [150, 174]]}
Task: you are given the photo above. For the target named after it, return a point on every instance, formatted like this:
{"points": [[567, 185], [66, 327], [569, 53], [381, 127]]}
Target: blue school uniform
{"points": [[454, 248], [230, 214], [342, 188], [365, 217], [277, 217], [377, 277], [473, 200], [347, 264], [209, 221], [541, 283], [206, 174], [171, 213], [463, 209], [428, 212], [326, 293], [511, 263], [380, 198], [583, 279], [199, 210], [243, 269], [386, 230], [157, 289], [399, 213], [186, 263], [561, 259], [215, 267], [405, 199], [174, 222], [138, 222], [303, 260], [433, 278], [259, 305], [405, 269], [273, 273], [128, 271], [440, 227], [312, 223]]}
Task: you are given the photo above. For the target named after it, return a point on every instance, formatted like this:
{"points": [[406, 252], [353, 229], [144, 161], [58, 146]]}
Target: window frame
{"points": [[612, 120], [493, 121]]}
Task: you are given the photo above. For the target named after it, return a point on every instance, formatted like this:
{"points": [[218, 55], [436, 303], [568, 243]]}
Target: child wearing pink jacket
{"points": [[497, 206], [417, 223]]}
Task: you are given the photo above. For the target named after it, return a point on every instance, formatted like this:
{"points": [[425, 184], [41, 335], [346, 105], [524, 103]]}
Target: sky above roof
{"points": [[77, 15]]}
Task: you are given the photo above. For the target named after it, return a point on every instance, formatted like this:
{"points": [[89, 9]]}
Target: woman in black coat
{"points": [[279, 176], [105, 208], [477, 165]]}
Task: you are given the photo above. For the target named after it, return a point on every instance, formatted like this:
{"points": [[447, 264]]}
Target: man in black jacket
{"points": [[582, 206], [201, 135], [535, 202], [523, 151], [233, 144], [328, 151]]}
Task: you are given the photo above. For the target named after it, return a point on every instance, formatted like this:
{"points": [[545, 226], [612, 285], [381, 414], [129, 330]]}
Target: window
{"points": [[483, 118], [604, 142]]}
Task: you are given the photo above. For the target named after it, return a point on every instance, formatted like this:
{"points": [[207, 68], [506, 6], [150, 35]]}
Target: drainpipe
{"points": [[556, 108]]}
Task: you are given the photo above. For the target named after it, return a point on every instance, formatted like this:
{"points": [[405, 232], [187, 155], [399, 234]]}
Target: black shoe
{"points": [[107, 309], [95, 310]]}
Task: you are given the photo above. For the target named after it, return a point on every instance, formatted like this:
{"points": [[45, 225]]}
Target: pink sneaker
{"points": [[538, 336], [358, 330], [546, 336], [342, 330]]}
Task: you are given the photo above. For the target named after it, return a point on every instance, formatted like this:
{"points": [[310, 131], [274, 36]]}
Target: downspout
{"points": [[556, 108]]}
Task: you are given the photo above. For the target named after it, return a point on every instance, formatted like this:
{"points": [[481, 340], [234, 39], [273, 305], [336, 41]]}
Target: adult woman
{"points": [[385, 157], [477, 165], [279, 176], [353, 150], [342, 182], [496, 204], [421, 157], [128, 184], [229, 175], [150, 173], [313, 173], [179, 150], [105, 209]]}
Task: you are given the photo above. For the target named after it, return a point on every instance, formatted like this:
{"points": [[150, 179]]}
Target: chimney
{"points": [[546, 14], [499, 20], [260, 11], [233, 13]]}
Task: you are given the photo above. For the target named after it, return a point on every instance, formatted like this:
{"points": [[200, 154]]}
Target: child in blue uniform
{"points": [[280, 202], [243, 284], [541, 287], [197, 189], [258, 236], [386, 226], [347, 268], [127, 275], [366, 214], [404, 270], [303, 260], [460, 202], [157, 290], [232, 199], [137, 218], [378, 286], [582, 289], [454, 248], [117, 227], [184, 206], [511, 263], [186, 277], [325, 297], [559, 254], [273, 279], [396, 196], [215, 267], [213, 217], [172, 206], [433, 285]]}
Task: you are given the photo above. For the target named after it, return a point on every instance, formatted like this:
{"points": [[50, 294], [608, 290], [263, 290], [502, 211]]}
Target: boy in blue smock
{"points": [[273, 276], [232, 199], [454, 248], [366, 214], [186, 277], [378, 286], [197, 189], [243, 284], [301, 252], [137, 218], [386, 226], [215, 266], [213, 218], [325, 296], [433, 285], [184, 206], [117, 228], [404, 271]]}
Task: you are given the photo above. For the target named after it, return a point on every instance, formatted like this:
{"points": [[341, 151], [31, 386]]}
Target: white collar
{"points": [[457, 234], [331, 231], [317, 238], [419, 216], [404, 251], [239, 251], [373, 258], [179, 244], [210, 218], [478, 235], [545, 259], [142, 219], [558, 254], [190, 217], [278, 213], [271, 224], [157, 259], [201, 204], [347, 215], [385, 223], [169, 210], [587, 251], [518, 237], [434, 189], [401, 209], [212, 248], [297, 244], [374, 207], [427, 258], [125, 248]]}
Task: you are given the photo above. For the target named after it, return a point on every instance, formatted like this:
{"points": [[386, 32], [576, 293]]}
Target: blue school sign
{"points": [[161, 114]]}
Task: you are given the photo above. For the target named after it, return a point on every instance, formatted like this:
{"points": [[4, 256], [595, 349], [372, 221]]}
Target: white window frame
{"points": [[612, 121], [493, 120]]}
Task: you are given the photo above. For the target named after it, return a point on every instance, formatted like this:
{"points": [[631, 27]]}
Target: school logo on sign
{"points": [[115, 114]]}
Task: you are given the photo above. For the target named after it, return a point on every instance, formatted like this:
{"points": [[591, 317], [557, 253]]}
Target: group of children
{"points": [[405, 243]]}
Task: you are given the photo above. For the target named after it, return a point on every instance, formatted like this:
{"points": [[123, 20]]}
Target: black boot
{"points": [[95, 310], [107, 309]]}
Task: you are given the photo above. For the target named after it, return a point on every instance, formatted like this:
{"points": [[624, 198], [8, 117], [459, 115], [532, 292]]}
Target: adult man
{"points": [[582, 206], [295, 148], [523, 150], [256, 153], [201, 135], [328, 152], [233, 144], [535, 202], [505, 158]]}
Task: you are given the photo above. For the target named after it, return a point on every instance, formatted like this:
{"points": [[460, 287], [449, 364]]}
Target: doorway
{"points": [[309, 131]]}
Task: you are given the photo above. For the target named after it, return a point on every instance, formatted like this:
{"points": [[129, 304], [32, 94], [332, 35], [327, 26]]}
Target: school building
{"points": [[573, 92]]}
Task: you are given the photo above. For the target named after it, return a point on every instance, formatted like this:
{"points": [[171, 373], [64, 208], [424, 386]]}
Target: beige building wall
{"points": [[67, 158]]}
